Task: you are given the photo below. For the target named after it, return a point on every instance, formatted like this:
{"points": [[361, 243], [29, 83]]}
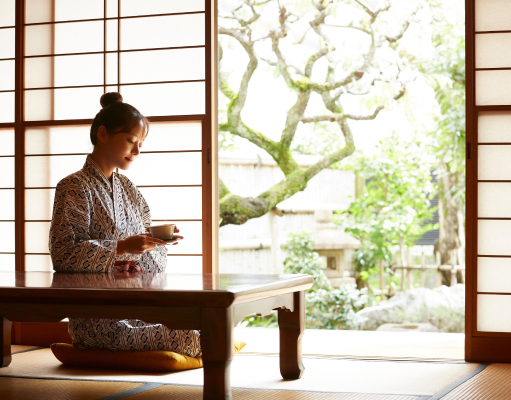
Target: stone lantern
{"points": [[337, 246]]}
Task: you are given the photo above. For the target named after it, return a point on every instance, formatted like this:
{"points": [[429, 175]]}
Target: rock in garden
{"points": [[443, 307]]}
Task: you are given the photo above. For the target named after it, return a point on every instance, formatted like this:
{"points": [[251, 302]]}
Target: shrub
{"points": [[326, 307]]}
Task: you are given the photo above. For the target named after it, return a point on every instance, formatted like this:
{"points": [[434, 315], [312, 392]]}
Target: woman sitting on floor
{"points": [[99, 225]]}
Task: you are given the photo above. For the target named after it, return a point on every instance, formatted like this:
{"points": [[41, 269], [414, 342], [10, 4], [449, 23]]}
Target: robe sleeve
{"points": [[71, 247], [156, 259]]}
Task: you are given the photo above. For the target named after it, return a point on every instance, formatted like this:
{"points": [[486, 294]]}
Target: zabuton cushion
{"points": [[156, 361]]}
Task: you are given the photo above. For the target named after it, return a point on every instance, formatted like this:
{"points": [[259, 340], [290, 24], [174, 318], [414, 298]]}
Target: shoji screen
{"points": [[158, 54], [489, 180], [7, 68]]}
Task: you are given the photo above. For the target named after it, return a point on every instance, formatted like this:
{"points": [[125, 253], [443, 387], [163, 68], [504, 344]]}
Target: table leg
{"points": [[291, 329], [5, 341], [217, 352]]}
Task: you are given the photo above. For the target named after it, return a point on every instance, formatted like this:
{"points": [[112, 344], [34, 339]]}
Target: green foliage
{"points": [[447, 68], [326, 307], [335, 308], [302, 259], [396, 205]]}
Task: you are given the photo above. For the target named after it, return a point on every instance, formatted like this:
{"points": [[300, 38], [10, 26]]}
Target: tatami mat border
{"points": [[131, 392], [458, 382], [27, 350]]}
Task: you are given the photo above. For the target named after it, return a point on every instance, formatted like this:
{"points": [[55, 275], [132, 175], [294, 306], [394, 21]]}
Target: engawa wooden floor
{"points": [[36, 374]]}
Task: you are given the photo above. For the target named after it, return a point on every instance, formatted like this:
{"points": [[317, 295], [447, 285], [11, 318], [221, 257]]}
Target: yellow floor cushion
{"points": [[156, 361]]}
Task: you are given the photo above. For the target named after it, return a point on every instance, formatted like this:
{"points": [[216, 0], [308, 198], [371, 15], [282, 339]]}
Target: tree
{"points": [[373, 76], [395, 207], [446, 70]]}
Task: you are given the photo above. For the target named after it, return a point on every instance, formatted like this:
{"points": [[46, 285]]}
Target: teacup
{"points": [[163, 232]]}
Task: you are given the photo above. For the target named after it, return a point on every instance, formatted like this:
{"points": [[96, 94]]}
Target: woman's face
{"points": [[124, 147]]}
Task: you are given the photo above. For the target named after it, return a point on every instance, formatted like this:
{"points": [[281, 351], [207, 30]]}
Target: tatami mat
{"points": [[15, 348], [30, 389], [493, 383], [262, 372], [195, 393], [361, 344]]}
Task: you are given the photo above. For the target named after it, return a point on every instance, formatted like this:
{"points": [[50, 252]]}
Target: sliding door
{"points": [[57, 57], [488, 322]]}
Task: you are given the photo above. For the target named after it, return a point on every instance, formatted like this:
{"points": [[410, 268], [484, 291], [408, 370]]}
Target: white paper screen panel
{"points": [[7, 12], [494, 127], [494, 238], [494, 274], [38, 262], [7, 140], [164, 31], [7, 75], [7, 109], [65, 10], [172, 136], [166, 169], [494, 200], [7, 172], [39, 204], [58, 140], [494, 162], [47, 171], [147, 7], [72, 37], [37, 237], [7, 263], [184, 264], [163, 65], [7, 204], [173, 203], [492, 50], [492, 15], [184, 98], [493, 88], [112, 32], [7, 43], [492, 314], [6, 237], [76, 70], [75, 103]]}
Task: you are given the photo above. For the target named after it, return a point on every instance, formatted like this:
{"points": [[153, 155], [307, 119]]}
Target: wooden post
{"points": [[5, 342], [454, 280], [439, 272], [423, 263]]}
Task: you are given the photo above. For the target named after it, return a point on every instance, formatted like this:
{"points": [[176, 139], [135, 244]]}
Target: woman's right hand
{"points": [[138, 244]]}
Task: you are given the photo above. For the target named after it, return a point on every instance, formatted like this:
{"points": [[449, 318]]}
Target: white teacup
{"points": [[163, 232]]}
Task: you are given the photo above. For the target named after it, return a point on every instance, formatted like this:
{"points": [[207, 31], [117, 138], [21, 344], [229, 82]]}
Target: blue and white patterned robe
{"points": [[90, 214]]}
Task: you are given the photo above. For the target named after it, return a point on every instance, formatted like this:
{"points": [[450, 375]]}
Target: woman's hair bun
{"points": [[110, 98]]}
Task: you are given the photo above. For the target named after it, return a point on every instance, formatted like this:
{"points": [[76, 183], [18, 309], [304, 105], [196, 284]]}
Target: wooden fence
{"points": [[422, 267]]}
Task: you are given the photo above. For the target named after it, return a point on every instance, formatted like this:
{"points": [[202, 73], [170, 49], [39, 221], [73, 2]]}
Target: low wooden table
{"points": [[213, 304]]}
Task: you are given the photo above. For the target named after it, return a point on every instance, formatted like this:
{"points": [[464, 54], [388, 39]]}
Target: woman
{"points": [[99, 224]]}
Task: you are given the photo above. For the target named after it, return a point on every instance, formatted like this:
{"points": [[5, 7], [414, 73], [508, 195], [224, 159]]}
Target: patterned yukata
{"points": [[90, 214]]}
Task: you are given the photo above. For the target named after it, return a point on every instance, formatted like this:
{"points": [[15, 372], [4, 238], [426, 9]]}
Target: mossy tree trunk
{"points": [[237, 210]]}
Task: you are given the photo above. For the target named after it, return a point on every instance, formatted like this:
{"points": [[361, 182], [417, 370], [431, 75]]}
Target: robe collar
{"points": [[93, 169]]}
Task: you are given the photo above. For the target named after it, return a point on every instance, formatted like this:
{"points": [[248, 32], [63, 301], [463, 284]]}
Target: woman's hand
{"points": [[126, 270], [176, 236], [137, 244]]}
